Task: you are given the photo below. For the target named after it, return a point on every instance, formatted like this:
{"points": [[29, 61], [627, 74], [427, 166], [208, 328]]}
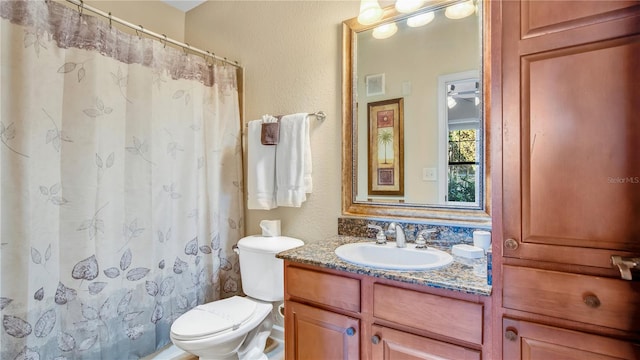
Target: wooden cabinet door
{"points": [[390, 344], [571, 131], [315, 334], [529, 341]]}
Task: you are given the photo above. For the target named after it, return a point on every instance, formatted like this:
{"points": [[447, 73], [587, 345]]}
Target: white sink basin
{"points": [[391, 257]]}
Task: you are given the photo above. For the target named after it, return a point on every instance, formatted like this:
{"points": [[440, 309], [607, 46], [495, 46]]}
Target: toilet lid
{"points": [[213, 318]]}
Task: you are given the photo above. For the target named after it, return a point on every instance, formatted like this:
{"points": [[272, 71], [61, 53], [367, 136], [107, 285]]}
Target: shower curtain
{"points": [[121, 176]]}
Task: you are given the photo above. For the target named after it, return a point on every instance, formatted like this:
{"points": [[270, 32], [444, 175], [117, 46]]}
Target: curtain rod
{"points": [[162, 37]]}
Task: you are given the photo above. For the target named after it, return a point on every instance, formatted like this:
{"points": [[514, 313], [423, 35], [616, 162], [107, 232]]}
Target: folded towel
{"points": [[293, 164], [261, 161]]}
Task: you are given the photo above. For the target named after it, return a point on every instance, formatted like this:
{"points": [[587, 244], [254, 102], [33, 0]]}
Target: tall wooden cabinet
{"points": [[565, 150]]}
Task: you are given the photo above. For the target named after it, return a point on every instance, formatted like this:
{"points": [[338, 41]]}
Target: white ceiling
{"points": [[184, 5]]}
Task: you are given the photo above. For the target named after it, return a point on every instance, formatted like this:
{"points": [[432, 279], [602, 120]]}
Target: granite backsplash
{"points": [[445, 235]]}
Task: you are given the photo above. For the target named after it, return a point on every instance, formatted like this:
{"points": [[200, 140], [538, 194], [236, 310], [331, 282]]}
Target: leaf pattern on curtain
{"points": [[121, 186]]}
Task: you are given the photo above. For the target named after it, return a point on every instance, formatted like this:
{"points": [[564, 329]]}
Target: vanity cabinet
{"points": [[313, 332], [331, 314], [565, 177]]}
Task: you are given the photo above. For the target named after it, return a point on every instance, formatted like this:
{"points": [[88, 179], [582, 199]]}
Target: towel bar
{"points": [[320, 115]]}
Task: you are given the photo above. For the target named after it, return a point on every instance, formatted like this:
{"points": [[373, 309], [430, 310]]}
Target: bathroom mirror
{"points": [[414, 131]]}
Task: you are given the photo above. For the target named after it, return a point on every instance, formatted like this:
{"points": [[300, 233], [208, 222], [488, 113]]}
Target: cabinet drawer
{"points": [[445, 316], [589, 299], [327, 289]]}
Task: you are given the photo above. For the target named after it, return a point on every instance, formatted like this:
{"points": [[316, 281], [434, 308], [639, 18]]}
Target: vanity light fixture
{"points": [[370, 12], [451, 102], [420, 20], [477, 98], [460, 10], [385, 31], [407, 6]]}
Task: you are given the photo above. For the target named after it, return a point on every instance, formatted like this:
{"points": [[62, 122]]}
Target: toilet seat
{"points": [[216, 318]]}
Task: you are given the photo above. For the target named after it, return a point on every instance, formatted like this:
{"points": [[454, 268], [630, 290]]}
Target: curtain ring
{"points": [[184, 48], [141, 30], [210, 57], [81, 7], [110, 20], [164, 42]]}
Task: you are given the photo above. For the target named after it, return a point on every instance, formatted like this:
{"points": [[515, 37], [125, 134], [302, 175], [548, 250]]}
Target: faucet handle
{"points": [[381, 238], [421, 242]]}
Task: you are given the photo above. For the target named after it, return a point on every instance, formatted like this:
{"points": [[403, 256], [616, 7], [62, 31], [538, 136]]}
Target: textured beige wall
{"points": [[151, 14], [291, 51]]}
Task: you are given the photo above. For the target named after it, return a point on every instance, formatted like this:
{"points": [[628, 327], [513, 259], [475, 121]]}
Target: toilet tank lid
{"points": [[269, 244]]}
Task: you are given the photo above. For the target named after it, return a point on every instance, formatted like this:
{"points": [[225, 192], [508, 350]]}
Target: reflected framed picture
{"points": [[386, 147], [374, 84]]}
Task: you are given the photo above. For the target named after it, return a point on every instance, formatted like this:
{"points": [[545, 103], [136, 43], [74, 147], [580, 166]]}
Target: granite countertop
{"points": [[455, 276]]}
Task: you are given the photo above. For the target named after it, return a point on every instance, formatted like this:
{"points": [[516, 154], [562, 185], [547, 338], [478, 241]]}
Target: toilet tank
{"points": [[261, 272]]}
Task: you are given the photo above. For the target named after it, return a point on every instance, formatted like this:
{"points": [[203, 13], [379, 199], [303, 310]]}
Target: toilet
{"points": [[238, 327]]}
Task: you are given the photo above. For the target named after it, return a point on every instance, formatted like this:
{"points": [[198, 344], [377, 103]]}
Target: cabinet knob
{"points": [[375, 339], [511, 334], [511, 244], [591, 300], [350, 331]]}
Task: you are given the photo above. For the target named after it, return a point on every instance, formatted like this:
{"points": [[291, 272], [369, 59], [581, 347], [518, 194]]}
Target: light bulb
{"points": [[407, 6], [420, 20], [460, 10], [385, 31], [370, 12]]}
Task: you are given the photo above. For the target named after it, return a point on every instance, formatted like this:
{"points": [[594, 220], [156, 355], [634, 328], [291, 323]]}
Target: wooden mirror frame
{"points": [[409, 212]]}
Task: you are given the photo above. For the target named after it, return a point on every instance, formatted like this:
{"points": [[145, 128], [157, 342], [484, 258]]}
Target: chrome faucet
{"points": [[397, 231]]}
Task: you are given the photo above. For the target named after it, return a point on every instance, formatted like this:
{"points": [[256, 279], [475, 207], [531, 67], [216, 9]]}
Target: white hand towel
{"points": [[261, 167], [293, 161], [308, 183]]}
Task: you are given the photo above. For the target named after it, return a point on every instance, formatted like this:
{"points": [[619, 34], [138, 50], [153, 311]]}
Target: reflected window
{"points": [[462, 171], [461, 136]]}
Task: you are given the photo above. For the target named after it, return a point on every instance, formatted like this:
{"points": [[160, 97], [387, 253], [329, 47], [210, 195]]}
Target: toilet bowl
{"points": [[238, 327], [218, 329]]}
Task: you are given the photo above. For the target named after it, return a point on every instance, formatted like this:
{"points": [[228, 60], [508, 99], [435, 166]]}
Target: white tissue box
{"points": [[467, 251]]}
